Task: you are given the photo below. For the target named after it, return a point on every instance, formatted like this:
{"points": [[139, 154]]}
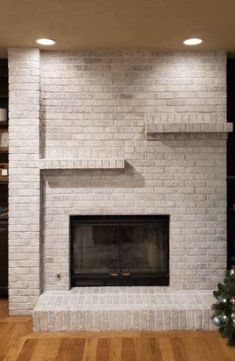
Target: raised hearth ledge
{"points": [[172, 128], [48, 164], [123, 308]]}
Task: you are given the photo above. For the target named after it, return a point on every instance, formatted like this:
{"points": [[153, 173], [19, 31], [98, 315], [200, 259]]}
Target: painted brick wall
{"points": [[94, 105], [24, 180], [99, 98]]}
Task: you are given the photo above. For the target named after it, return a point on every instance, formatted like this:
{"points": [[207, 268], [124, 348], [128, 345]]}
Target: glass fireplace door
{"points": [[142, 249], [119, 250], [96, 250]]}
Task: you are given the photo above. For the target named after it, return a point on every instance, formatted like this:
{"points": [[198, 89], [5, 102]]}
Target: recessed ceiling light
{"points": [[193, 41], [46, 42]]}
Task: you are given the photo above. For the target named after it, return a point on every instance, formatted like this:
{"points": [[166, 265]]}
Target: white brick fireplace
{"points": [[115, 133]]}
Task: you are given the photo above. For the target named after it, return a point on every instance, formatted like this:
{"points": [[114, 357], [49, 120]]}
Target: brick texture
{"points": [[24, 180], [123, 308], [94, 106]]}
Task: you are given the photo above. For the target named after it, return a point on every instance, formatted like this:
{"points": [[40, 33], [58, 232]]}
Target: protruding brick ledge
{"points": [[123, 308], [152, 129], [49, 164]]}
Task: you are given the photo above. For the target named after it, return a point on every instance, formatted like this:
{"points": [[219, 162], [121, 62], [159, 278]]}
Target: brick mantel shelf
{"points": [[153, 129], [49, 164]]}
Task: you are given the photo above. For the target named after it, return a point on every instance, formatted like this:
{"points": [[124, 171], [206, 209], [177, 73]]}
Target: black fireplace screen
{"points": [[119, 250]]}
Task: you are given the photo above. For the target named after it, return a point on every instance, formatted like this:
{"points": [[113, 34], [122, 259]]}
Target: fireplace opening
{"points": [[119, 250]]}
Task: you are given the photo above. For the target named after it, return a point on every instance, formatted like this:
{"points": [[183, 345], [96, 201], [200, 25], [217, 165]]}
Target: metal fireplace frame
{"points": [[122, 278]]}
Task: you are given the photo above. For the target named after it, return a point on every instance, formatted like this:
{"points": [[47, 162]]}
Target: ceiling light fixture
{"points": [[46, 42], [192, 41]]}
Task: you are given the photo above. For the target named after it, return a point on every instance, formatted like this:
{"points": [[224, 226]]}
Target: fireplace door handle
{"points": [[125, 274], [114, 274]]}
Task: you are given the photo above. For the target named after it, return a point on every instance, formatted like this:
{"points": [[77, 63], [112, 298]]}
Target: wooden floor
{"points": [[18, 343]]}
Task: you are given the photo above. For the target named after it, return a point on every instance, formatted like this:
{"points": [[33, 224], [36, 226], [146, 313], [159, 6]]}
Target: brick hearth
{"points": [[122, 308]]}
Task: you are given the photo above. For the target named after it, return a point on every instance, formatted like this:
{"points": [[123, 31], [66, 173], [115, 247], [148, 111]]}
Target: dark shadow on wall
{"points": [[95, 178]]}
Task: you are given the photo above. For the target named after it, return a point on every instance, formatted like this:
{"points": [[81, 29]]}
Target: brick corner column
{"points": [[24, 180]]}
